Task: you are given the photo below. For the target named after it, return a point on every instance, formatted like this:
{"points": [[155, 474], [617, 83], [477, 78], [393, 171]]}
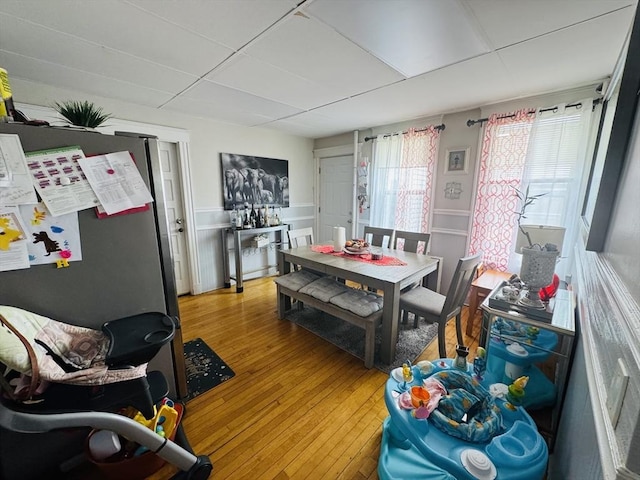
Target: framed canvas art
{"points": [[254, 180]]}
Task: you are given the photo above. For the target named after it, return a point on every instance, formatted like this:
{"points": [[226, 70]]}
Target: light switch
{"points": [[617, 390]]}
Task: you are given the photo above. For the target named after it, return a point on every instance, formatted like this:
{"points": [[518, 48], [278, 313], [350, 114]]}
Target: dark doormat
{"points": [[205, 369]]}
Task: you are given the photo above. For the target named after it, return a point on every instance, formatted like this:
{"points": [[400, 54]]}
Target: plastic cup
{"points": [[103, 444], [419, 396]]}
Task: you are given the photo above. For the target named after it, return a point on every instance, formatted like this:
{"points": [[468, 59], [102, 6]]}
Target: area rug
{"points": [[411, 341], [205, 369]]}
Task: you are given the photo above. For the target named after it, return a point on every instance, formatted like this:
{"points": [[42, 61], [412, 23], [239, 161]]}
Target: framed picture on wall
{"points": [[457, 160], [247, 179]]}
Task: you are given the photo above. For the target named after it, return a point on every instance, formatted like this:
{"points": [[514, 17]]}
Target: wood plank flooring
{"points": [[298, 407]]}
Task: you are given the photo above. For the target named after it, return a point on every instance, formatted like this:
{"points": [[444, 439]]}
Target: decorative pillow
{"points": [[463, 393], [360, 302], [324, 289], [296, 280]]}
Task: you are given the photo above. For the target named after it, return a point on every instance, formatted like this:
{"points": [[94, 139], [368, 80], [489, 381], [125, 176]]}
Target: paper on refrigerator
{"points": [[16, 187], [116, 181], [13, 240], [59, 180]]}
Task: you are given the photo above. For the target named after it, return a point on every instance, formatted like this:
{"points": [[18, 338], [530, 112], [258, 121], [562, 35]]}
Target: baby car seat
{"points": [[60, 376]]}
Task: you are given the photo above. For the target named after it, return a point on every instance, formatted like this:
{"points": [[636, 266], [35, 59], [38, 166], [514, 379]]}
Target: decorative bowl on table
{"points": [[356, 247]]}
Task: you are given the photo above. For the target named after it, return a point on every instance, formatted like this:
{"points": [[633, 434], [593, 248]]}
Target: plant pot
{"points": [[538, 267]]}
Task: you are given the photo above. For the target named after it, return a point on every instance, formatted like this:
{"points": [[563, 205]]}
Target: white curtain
{"points": [[402, 179], [555, 163], [385, 181]]}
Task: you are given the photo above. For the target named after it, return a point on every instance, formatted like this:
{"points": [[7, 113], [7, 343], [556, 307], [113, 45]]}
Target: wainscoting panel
{"points": [[609, 319]]}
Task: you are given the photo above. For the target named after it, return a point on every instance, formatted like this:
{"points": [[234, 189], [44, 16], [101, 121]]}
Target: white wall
{"points": [[208, 139]]}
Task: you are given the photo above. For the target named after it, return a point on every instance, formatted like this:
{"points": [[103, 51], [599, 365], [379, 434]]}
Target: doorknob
{"points": [[179, 221], [349, 221], [181, 229]]}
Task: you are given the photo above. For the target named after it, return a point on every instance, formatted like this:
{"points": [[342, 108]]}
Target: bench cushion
{"points": [[360, 302], [324, 289], [296, 280]]}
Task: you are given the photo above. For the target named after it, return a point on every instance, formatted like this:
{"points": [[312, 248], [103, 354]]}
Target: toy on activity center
{"points": [[468, 434], [513, 351]]}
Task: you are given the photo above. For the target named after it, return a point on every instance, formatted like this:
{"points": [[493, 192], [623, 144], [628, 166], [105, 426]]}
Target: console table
{"points": [[238, 235], [549, 375]]}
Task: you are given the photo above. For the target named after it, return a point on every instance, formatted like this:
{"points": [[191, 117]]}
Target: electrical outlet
{"points": [[617, 390]]}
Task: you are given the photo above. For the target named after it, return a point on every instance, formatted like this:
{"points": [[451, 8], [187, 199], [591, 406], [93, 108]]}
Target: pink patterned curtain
{"points": [[502, 159], [419, 154]]}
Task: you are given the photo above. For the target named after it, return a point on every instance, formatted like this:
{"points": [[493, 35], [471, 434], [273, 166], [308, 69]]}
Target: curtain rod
{"points": [[437, 127], [578, 105]]}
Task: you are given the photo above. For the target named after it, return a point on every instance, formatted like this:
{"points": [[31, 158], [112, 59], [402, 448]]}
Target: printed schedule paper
{"points": [[116, 181], [60, 181]]}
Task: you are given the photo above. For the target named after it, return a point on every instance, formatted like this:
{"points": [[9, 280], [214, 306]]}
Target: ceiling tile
{"points": [[413, 36], [231, 23], [312, 50], [159, 41], [38, 71], [503, 23], [310, 125], [254, 76], [215, 111], [567, 57], [221, 98], [54, 47], [466, 85]]}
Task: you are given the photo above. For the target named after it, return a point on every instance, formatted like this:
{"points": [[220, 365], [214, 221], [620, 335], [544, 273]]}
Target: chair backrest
{"points": [[378, 237], [300, 236], [412, 241], [460, 284]]}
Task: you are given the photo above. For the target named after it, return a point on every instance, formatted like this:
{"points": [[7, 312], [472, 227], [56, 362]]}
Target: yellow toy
{"points": [[163, 422], [516, 390], [407, 376]]}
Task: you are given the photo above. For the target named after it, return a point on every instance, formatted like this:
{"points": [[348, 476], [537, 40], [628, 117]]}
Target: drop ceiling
{"points": [[313, 68]]}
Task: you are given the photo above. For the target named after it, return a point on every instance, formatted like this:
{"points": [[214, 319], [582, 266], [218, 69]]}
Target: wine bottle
{"points": [[239, 219], [253, 216], [233, 216], [263, 217], [247, 220]]}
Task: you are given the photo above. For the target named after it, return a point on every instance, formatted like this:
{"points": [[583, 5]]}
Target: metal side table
{"points": [[238, 235]]}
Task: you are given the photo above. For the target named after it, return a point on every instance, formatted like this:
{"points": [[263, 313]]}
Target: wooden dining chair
{"points": [[412, 242], [437, 308], [378, 237], [415, 242], [300, 236]]}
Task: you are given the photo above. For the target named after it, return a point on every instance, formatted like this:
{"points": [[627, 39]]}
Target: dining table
{"points": [[390, 277]]}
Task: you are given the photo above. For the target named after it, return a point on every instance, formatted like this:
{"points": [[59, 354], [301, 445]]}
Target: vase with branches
{"points": [[538, 261], [525, 201]]}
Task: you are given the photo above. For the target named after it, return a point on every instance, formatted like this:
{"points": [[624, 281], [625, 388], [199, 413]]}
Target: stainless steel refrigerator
{"points": [[126, 265]]}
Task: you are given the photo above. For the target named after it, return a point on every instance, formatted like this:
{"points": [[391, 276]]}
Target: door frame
{"points": [[181, 138], [338, 151]]}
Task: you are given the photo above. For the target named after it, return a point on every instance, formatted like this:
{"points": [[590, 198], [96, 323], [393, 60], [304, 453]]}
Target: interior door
{"points": [[336, 196], [175, 214]]}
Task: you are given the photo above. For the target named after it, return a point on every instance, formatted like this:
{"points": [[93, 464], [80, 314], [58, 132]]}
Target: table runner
{"points": [[366, 258]]}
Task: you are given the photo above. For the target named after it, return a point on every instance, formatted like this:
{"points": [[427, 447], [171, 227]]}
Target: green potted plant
{"points": [[82, 114]]}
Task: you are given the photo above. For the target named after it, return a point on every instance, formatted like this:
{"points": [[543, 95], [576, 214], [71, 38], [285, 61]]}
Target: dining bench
{"points": [[357, 307]]}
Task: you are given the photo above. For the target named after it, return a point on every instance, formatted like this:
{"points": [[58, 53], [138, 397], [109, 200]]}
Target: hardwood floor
{"points": [[298, 407]]}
